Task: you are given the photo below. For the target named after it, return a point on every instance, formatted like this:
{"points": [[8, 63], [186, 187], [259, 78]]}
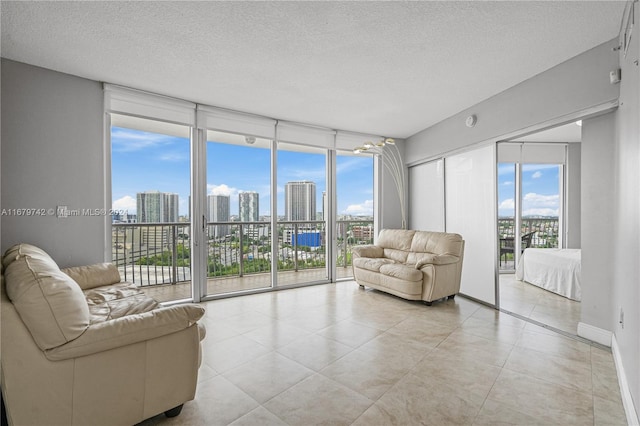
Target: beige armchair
{"points": [[80, 347], [415, 265]]}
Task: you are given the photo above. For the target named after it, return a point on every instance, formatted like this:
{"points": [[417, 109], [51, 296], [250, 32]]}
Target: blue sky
{"points": [[144, 161], [540, 189]]}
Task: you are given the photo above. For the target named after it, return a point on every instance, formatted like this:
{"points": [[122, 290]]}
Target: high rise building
{"points": [[156, 206], [249, 210], [300, 200], [218, 210]]}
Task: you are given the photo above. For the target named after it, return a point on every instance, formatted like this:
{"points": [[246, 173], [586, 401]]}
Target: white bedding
{"points": [[556, 270]]}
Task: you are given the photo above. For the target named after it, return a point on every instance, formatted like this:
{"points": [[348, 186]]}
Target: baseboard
{"points": [[625, 392], [595, 334]]}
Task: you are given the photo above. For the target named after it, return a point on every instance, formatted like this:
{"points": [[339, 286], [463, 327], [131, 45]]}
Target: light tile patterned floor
{"points": [[335, 354], [539, 304]]}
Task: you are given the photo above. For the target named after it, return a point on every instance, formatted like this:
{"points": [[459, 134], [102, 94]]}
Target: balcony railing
{"points": [[159, 253], [535, 232], [545, 230]]}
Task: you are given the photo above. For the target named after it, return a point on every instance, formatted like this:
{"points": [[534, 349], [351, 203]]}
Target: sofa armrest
{"points": [[367, 251], [128, 330], [443, 259], [91, 276]]}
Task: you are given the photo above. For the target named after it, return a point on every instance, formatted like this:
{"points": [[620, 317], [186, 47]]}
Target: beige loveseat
{"points": [[80, 347], [415, 265]]}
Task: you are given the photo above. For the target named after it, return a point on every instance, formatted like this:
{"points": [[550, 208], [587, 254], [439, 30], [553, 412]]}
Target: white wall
{"points": [[52, 154]]}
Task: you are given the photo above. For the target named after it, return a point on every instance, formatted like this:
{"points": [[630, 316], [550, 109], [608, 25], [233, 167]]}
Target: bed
{"points": [[556, 270]]}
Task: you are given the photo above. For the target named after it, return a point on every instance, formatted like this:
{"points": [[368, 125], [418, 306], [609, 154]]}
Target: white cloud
{"points": [[508, 183], [221, 190], [540, 205], [508, 204], [174, 157], [127, 203], [364, 209], [533, 199], [124, 140], [536, 175], [537, 167]]}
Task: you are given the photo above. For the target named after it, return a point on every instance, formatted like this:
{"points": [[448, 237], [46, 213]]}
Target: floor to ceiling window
{"points": [[301, 215], [354, 191], [150, 187], [238, 230], [211, 202]]}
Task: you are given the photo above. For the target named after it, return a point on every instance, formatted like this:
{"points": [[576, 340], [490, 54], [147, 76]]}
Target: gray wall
{"points": [[598, 138], [389, 200], [626, 217], [573, 187], [52, 154], [579, 83]]}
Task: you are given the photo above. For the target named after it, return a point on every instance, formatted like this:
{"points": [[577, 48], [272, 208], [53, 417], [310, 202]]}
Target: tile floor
{"points": [[538, 304], [335, 354]]}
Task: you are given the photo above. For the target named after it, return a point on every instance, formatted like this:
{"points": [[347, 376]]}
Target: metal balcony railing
{"points": [[535, 232], [545, 230], [159, 253]]}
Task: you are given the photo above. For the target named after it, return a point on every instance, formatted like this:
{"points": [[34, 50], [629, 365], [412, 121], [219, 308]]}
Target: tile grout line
{"points": [[556, 330]]}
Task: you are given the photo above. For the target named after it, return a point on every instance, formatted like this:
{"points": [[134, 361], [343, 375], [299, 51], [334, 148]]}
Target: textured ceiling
{"points": [[388, 68]]}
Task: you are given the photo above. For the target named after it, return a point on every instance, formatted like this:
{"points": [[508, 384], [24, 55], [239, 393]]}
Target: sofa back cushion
{"points": [[395, 243], [51, 305], [397, 239], [437, 243]]}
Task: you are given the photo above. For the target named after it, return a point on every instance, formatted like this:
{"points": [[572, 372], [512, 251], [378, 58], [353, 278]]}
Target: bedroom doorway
{"points": [[538, 207]]}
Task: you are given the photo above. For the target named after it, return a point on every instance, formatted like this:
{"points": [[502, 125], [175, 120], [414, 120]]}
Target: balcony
{"points": [[156, 256], [535, 232]]}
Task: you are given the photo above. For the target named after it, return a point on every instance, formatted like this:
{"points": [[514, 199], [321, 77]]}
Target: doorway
{"points": [[538, 207]]}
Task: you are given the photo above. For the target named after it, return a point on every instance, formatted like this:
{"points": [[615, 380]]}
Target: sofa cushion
{"points": [[371, 264], [403, 272], [116, 301], [49, 302], [97, 275], [418, 259], [399, 256], [23, 249], [437, 243], [398, 239]]}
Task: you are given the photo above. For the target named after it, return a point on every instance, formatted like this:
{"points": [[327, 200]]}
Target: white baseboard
{"points": [[625, 392], [595, 334]]}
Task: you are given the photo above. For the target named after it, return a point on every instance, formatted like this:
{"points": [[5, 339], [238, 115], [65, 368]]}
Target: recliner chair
{"points": [[80, 347]]}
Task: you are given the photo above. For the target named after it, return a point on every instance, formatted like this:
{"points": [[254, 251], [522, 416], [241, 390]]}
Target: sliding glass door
{"points": [[354, 220], [150, 187], [238, 230], [302, 215]]}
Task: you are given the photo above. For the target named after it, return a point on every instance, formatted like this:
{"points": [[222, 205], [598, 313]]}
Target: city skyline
{"points": [[143, 161]]}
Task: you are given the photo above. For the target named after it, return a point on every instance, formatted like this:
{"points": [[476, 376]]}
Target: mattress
{"points": [[556, 270]]}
